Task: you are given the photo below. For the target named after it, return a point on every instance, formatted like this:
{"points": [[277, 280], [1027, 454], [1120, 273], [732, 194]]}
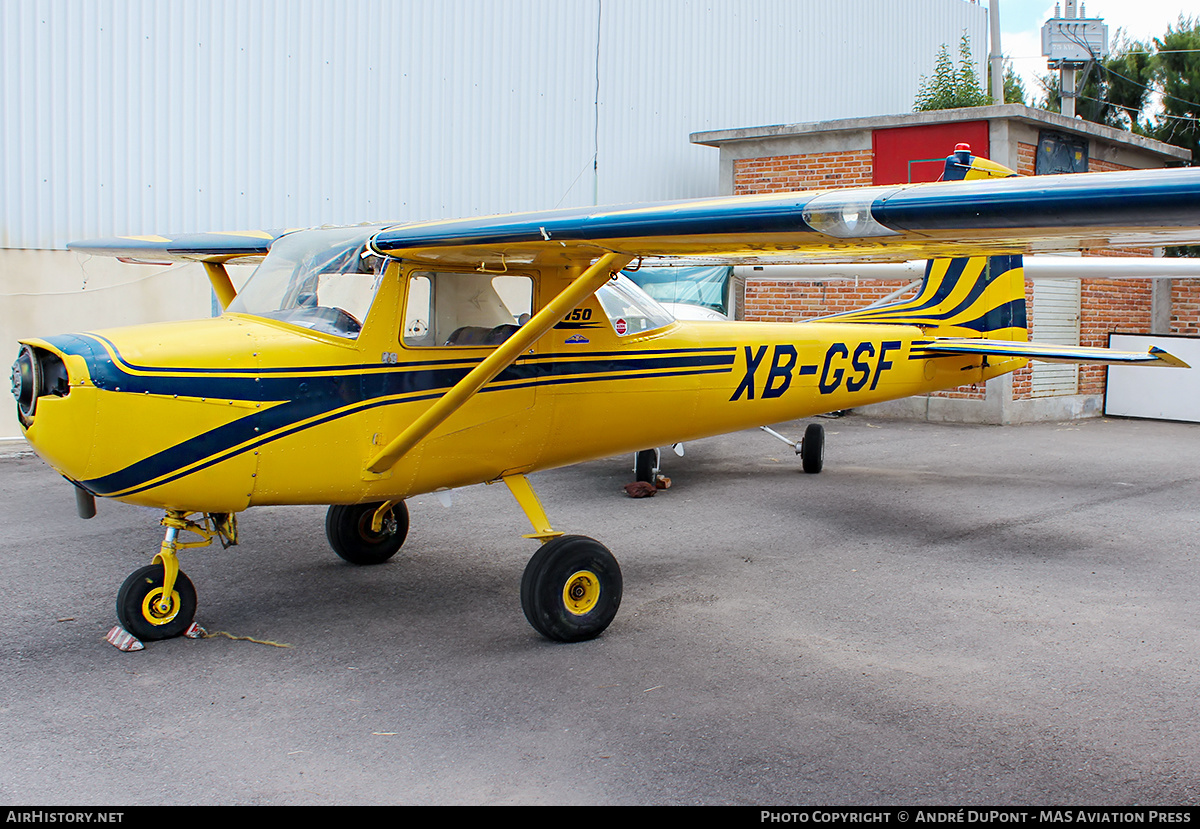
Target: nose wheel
{"points": [[158, 601], [148, 612]]}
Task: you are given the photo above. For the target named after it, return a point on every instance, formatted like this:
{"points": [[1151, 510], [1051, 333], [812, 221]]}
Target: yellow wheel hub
{"points": [[581, 592], [154, 613]]}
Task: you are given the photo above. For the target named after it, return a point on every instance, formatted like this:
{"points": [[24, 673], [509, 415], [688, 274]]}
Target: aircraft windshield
{"points": [[324, 280], [629, 309]]}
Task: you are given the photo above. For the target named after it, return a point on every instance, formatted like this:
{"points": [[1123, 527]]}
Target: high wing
{"points": [[1021, 214], [190, 247], [944, 219]]}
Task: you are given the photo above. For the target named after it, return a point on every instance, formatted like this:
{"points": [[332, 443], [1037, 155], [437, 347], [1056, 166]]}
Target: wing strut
{"points": [[221, 284], [519, 486], [586, 284]]}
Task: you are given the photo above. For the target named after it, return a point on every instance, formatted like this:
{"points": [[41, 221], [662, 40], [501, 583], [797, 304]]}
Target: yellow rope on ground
{"points": [[215, 633]]}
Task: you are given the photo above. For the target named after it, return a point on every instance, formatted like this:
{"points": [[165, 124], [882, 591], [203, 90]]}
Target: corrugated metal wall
{"points": [[140, 116]]}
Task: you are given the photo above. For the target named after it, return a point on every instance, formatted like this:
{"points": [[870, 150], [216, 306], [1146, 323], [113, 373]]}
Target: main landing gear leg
{"points": [[571, 588], [158, 601]]}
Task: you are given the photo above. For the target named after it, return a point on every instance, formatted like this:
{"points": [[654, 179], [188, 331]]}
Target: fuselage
{"points": [[218, 415]]}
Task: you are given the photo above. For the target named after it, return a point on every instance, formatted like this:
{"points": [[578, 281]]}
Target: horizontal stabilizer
{"points": [[1048, 352]]}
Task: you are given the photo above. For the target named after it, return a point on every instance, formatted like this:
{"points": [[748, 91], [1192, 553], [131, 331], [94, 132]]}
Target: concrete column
{"points": [[1160, 306]]}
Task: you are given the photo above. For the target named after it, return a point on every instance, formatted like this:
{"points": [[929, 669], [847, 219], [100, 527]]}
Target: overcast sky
{"points": [[1021, 26]]}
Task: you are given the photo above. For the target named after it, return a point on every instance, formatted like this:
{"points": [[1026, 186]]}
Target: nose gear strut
{"points": [[159, 601]]}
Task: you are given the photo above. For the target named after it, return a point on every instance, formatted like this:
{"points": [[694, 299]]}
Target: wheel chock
{"points": [[640, 489], [123, 640]]}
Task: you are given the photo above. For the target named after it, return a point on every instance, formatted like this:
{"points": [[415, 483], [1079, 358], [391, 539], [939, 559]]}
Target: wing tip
{"points": [[1167, 357]]}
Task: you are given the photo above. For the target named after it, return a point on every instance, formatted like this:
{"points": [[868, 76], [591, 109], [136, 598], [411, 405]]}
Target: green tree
{"points": [[1128, 73], [950, 88], [1112, 92], [1051, 100], [1177, 71], [1014, 87]]}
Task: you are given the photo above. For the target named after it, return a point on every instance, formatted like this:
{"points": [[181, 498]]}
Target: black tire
{"points": [[812, 449], [136, 609], [571, 563], [645, 464], [348, 528]]}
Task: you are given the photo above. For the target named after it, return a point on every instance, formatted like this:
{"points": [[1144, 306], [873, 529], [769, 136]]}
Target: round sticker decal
{"points": [[621, 326]]}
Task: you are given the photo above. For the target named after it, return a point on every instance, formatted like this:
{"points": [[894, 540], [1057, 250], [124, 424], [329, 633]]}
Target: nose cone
{"points": [[24, 383], [56, 421]]}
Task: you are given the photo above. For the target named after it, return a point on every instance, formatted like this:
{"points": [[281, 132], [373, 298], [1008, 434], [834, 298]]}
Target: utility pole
{"points": [[997, 57], [1066, 78]]}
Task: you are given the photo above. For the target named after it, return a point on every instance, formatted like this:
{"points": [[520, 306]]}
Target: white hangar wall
{"points": [[142, 116]]}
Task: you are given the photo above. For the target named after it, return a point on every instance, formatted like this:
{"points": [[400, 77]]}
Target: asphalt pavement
{"points": [[947, 615]]}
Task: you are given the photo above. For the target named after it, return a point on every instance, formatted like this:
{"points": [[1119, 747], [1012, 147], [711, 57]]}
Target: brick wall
{"points": [[1022, 378], [1110, 305], [1026, 158], [1185, 306], [1027, 162], [769, 300], [781, 173], [1106, 305]]}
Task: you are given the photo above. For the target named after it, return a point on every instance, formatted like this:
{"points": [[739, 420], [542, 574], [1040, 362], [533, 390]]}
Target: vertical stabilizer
{"points": [[980, 296]]}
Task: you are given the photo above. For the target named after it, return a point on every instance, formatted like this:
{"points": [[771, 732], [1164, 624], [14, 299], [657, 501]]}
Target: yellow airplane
{"points": [[359, 366]]}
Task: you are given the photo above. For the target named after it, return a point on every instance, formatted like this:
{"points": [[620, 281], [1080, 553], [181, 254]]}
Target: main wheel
{"points": [[812, 448], [138, 599], [645, 463], [571, 589], [348, 528]]}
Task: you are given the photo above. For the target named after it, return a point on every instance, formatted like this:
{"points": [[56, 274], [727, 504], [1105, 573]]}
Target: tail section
{"points": [[978, 296], [976, 305]]}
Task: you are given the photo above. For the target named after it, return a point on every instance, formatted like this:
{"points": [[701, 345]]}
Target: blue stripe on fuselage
{"points": [[313, 395]]}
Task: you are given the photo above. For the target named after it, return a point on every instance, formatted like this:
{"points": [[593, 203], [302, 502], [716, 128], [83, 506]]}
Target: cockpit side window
{"points": [[445, 308]]}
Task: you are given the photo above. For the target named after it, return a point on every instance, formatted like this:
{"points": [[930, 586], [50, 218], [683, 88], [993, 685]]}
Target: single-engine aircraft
{"points": [[359, 366]]}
